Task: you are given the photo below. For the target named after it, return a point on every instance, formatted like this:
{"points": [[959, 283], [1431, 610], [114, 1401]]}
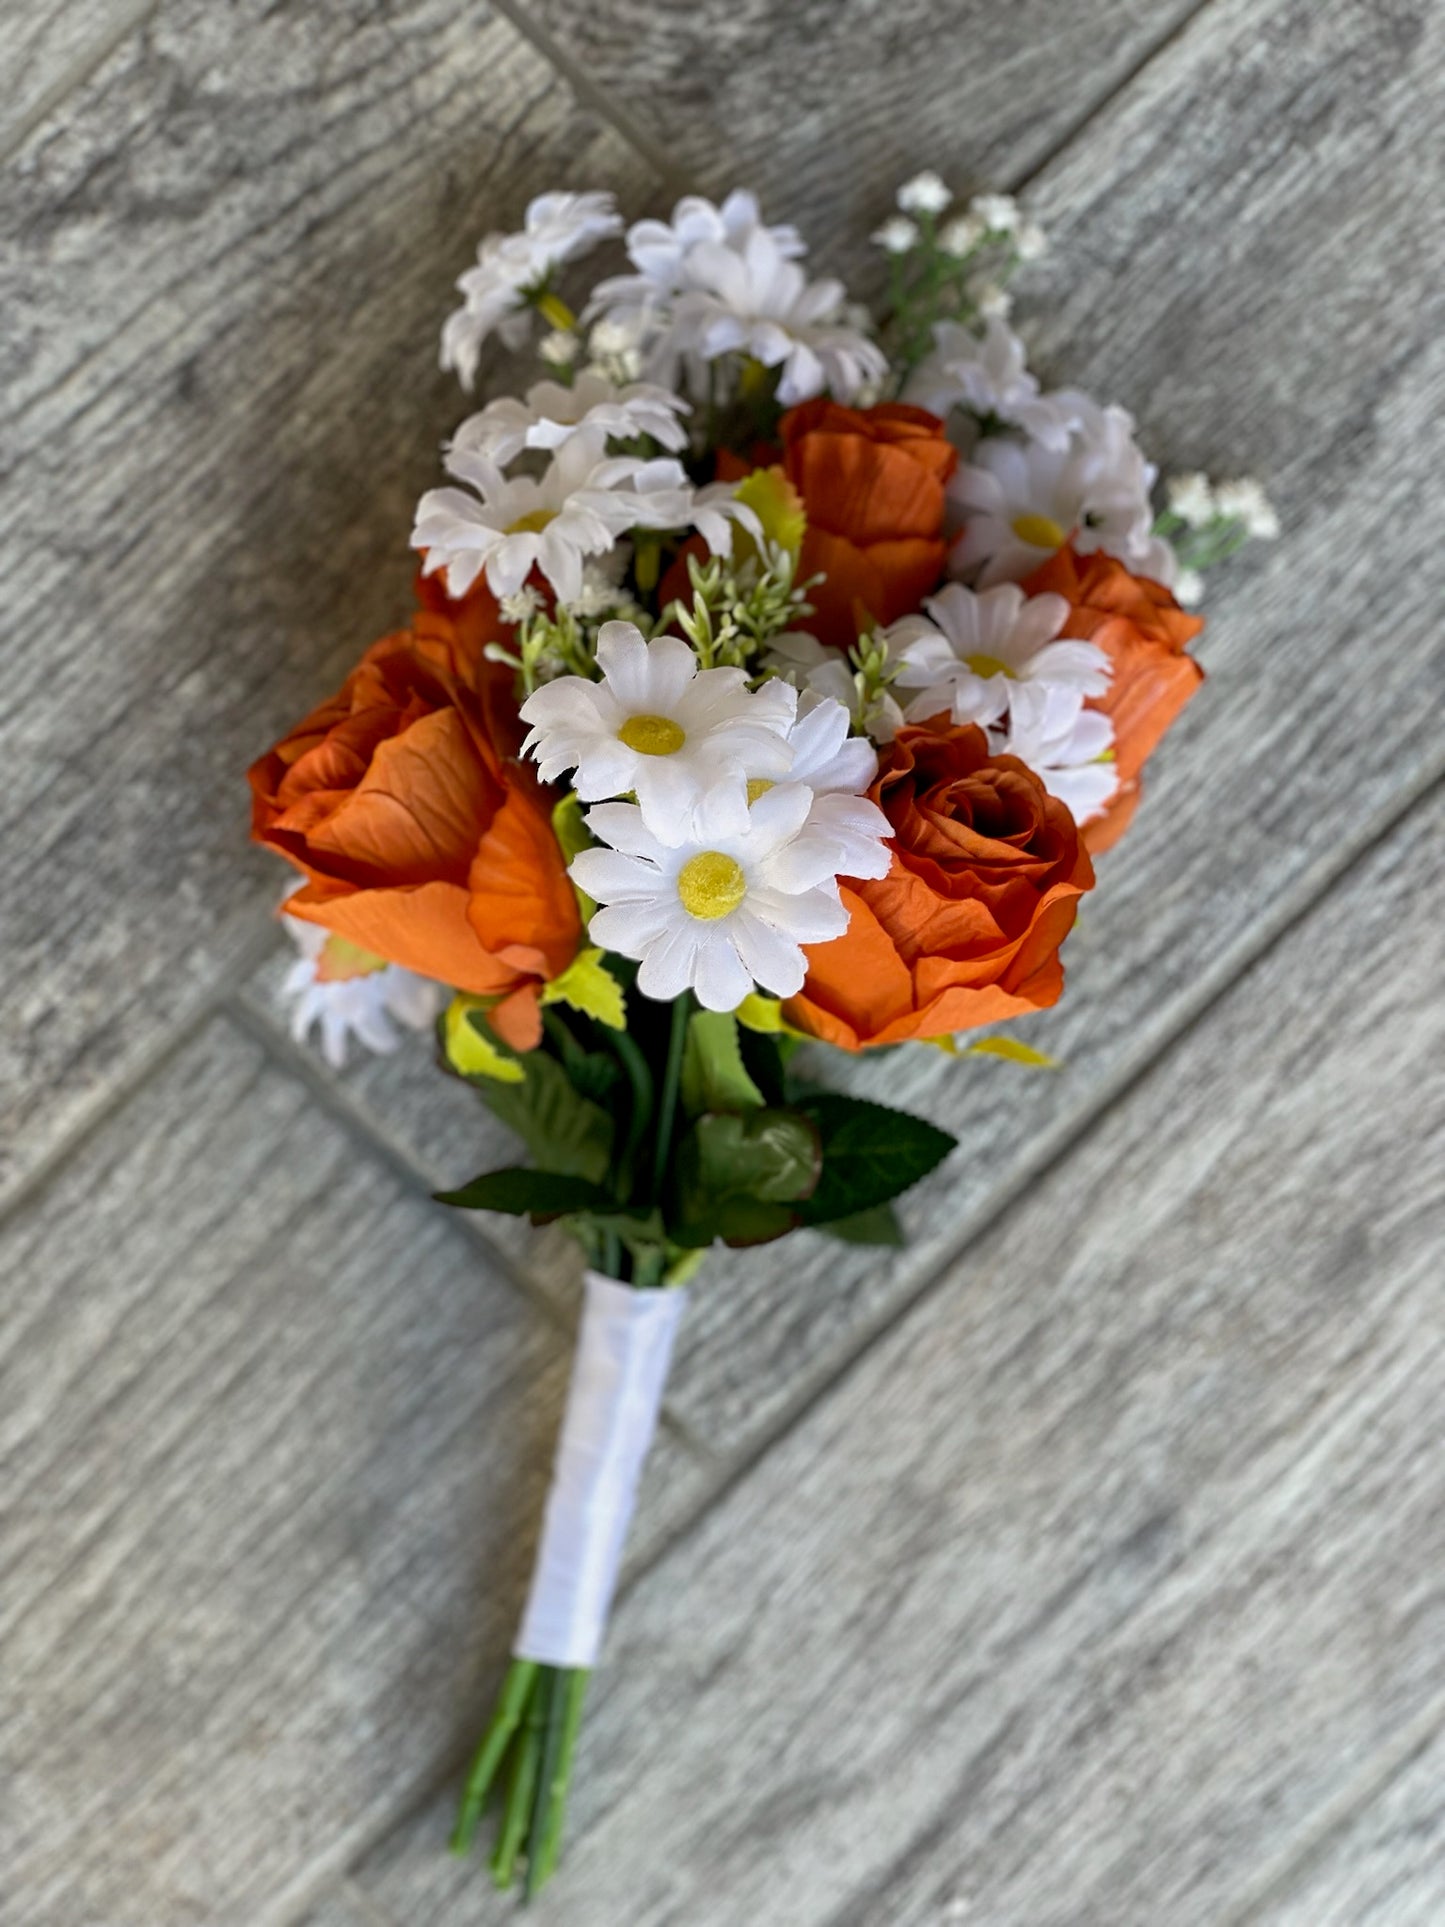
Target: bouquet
{"points": [[774, 676]]}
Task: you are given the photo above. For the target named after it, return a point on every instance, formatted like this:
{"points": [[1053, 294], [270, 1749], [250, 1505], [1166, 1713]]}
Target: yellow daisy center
{"points": [[758, 786], [710, 884], [988, 666], [532, 523], [652, 735], [1039, 531]]}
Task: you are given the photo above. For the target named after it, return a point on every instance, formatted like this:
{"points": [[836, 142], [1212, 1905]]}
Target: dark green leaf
{"points": [[713, 1076], [564, 1131], [877, 1226], [870, 1154], [521, 1193], [740, 1178]]}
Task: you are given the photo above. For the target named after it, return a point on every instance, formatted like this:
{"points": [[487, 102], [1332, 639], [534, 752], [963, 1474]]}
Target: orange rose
{"points": [[422, 838], [872, 481], [1143, 631], [966, 926]]}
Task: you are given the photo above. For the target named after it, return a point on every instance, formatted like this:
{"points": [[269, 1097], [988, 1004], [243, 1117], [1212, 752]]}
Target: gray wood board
{"points": [[275, 1440], [824, 106], [1107, 1570], [1239, 258], [226, 259]]}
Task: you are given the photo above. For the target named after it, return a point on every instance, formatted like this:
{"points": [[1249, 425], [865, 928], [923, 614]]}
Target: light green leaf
{"points": [[470, 1047], [587, 985], [713, 1075], [573, 836], [1013, 1050], [563, 1130]]}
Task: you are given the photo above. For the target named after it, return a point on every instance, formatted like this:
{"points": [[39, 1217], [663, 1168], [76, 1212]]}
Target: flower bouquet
{"points": [[773, 677]]}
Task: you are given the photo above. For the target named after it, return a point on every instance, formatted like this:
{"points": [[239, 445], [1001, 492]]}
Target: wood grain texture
{"points": [[46, 48], [226, 258], [1116, 1561], [1385, 1867], [825, 106], [275, 1441]]}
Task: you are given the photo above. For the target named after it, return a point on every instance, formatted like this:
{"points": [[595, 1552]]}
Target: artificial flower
{"points": [[838, 768], [962, 235], [420, 838], [1020, 500], [897, 235], [660, 728], [988, 375], [972, 652], [512, 267], [1245, 501], [1191, 498], [924, 194], [872, 483], [347, 992], [723, 912], [965, 928], [999, 213], [1140, 628], [1068, 747], [552, 414]]}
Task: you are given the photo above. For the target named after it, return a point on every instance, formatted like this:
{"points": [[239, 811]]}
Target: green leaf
{"points": [[563, 1130], [1012, 1049], [740, 1178], [870, 1154], [877, 1226], [587, 985], [469, 1044], [713, 1074], [522, 1193], [573, 836]]}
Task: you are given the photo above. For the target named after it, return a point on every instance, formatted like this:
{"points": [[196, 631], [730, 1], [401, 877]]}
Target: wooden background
{"points": [[1081, 1566]]}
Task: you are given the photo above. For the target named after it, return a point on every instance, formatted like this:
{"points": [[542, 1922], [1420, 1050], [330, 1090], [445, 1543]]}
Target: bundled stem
{"points": [[528, 1749]]}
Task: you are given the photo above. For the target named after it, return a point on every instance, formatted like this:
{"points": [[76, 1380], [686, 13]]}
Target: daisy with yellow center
{"points": [[722, 913], [659, 728], [967, 656]]}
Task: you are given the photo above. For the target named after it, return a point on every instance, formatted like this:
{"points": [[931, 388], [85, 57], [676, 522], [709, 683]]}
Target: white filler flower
{"points": [[661, 728], [989, 375], [349, 993], [511, 267], [552, 414], [972, 659], [924, 194], [723, 912], [1019, 501]]}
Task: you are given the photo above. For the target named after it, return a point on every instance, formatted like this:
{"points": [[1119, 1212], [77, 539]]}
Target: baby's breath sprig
{"points": [[1206, 522]]}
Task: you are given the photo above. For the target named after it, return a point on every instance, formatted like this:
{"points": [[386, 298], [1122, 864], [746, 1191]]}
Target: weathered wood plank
{"points": [[274, 1441], [46, 47], [1385, 1867], [1107, 1569], [226, 259], [824, 106]]}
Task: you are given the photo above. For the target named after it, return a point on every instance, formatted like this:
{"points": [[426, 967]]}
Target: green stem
{"points": [[667, 1103], [522, 1784], [562, 1734], [512, 1703], [639, 1077]]}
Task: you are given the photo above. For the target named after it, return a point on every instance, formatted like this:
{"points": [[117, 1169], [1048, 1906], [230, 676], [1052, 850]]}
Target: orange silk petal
{"points": [[416, 809], [424, 929], [523, 906]]}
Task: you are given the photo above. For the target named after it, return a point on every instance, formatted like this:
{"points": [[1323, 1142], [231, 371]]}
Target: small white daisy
{"points": [[1066, 746], [510, 267], [721, 913], [552, 414], [577, 508], [1245, 501], [1019, 501], [926, 193], [1191, 497], [897, 235], [348, 992], [980, 650], [658, 726], [989, 375]]}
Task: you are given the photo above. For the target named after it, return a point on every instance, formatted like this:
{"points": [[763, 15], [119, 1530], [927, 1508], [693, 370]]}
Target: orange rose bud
{"points": [[872, 482], [422, 838], [965, 928], [1144, 632]]}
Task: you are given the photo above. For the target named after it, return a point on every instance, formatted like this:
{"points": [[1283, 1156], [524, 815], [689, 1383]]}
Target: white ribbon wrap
{"points": [[624, 1348]]}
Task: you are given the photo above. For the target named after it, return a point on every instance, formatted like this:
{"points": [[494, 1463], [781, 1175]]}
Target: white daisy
{"points": [[552, 414], [924, 194], [721, 913], [716, 281], [848, 830], [577, 508], [800, 659], [511, 267], [658, 726], [1019, 501], [989, 375], [349, 993], [1066, 746], [979, 650]]}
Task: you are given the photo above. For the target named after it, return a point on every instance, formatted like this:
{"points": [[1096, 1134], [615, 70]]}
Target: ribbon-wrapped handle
{"points": [[624, 1348]]}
